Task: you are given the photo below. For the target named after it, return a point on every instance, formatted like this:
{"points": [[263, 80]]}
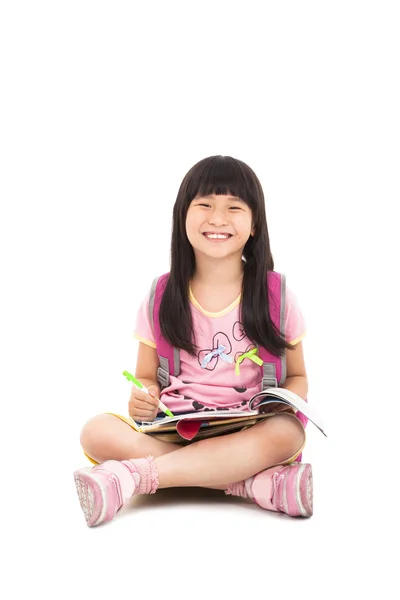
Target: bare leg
{"points": [[106, 437], [215, 462], [211, 463]]}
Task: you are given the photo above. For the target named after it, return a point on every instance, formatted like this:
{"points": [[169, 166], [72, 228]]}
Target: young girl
{"points": [[216, 307]]}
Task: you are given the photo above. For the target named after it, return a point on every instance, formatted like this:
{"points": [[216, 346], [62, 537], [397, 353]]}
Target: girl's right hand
{"points": [[142, 406]]}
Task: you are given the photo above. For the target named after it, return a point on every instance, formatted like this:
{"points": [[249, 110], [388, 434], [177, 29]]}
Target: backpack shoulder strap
{"points": [[168, 356], [274, 367]]}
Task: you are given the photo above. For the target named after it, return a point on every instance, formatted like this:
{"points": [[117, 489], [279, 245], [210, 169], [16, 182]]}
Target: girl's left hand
{"points": [[276, 407]]}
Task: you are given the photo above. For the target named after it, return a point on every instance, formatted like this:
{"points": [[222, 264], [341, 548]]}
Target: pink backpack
{"points": [[273, 368]]}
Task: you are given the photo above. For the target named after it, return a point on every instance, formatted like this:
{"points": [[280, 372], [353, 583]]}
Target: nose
{"points": [[217, 217]]}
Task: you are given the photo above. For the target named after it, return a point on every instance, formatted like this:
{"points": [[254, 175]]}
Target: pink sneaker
{"points": [[105, 488], [285, 488]]}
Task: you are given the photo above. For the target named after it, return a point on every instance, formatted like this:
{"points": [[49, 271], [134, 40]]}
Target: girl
{"points": [[215, 308]]}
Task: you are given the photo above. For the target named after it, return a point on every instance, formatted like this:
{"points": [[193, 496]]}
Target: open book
{"points": [[202, 424]]}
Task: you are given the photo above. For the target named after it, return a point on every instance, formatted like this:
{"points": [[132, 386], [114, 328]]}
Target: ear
{"points": [[252, 232]]}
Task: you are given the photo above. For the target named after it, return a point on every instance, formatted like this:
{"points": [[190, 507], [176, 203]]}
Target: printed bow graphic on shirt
{"points": [[238, 331], [250, 353], [208, 358], [239, 334]]}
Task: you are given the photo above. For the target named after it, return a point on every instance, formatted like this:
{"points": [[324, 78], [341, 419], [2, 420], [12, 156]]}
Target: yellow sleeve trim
{"points": [[147, 342], [298, 339]]}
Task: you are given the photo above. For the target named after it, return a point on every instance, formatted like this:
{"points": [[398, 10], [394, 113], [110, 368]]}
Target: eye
{"points": [[230, 208]]}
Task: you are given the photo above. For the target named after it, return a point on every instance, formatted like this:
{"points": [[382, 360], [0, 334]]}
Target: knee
{"points": [[94, 434], [287, 433]]}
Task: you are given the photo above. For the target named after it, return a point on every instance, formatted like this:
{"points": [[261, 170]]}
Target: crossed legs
{"points": [[212, 463]]}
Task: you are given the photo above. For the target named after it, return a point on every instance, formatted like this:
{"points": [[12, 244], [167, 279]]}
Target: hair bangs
{"points": [[219, 175]]}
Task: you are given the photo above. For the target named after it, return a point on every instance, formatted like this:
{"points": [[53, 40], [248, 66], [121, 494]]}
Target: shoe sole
{"points": [[92, 497], [304, 490]]}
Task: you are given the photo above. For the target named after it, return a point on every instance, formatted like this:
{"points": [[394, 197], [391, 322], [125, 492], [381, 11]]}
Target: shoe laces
{"points": [[277, 491]]}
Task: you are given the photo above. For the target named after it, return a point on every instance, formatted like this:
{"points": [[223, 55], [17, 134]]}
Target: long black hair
{"points": [[220, 175]]}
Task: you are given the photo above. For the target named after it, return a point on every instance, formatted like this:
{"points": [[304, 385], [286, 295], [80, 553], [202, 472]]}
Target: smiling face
{"points": [[218, 225]]}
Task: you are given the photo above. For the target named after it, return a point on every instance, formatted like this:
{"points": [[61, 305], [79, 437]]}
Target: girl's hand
{"points": [[276, 407], [142, 406]]}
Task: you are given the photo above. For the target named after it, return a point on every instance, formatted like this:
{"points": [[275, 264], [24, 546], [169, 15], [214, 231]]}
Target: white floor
{"points": [[196, 543]]}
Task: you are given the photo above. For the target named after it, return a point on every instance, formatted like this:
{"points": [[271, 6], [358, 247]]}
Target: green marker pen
{"points": [[141, 387]]}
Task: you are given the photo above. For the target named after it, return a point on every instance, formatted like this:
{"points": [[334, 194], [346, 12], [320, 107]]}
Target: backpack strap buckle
{"points": [[163, 372], [269, 376]]}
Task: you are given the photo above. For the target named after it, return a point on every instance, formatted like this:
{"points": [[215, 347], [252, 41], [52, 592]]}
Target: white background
{"points": [[104, 108]]}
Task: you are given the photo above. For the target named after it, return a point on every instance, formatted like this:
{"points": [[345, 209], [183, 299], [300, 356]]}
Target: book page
{"points": [[290, 398]]}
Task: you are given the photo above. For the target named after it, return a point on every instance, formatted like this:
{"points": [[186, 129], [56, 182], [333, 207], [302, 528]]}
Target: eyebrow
{"points": [[229, 197]]}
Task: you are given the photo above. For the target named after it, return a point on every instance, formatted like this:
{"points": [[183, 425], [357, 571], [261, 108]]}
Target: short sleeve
{"points": [[143, 329], [295, 326]]}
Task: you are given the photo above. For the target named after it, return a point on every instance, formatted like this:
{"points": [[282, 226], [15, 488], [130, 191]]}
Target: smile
{"points": [[217, 236]]}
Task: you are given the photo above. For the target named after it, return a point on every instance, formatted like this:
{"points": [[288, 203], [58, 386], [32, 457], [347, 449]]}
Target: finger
{"points": [[279, 407], [145, 397], [144, 404], [140, 395], [153, 389], [140, 416], [142, 407], [265, 408]]}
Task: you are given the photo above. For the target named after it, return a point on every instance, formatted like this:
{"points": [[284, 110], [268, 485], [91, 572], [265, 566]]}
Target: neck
{"points": [[218, 273]]}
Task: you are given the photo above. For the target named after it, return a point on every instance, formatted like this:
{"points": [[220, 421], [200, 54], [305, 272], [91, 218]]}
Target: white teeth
{"points": [[216, 236]]}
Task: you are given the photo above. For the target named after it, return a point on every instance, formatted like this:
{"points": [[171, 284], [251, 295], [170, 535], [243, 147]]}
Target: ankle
{"points": [[237, 489], [145, 474]]}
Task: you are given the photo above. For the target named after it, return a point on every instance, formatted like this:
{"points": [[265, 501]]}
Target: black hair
{"points": [[220, 175]]}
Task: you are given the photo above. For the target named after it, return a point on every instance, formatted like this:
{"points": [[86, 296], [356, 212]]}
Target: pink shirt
{"points": [[210, 379]]}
